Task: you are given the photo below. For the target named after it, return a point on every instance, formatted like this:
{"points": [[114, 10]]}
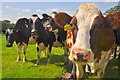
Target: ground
{"points": [[13, 69]]}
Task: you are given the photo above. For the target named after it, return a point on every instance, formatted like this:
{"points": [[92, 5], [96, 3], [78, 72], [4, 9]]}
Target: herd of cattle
{"points": [[88, 35]]}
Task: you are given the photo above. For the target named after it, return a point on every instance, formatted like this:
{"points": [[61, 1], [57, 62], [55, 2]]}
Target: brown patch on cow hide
{"points": [[114, 19], [102, 36]]}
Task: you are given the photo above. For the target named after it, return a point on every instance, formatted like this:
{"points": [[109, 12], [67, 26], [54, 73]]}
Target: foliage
{"points": [[6, 24], [113, 9]]}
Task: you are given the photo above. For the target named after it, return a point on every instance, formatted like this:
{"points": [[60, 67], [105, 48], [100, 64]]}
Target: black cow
{"points": [[43, 38], [20, 33]]}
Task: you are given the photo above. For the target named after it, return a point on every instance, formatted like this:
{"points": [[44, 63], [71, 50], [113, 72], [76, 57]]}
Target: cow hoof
{"points": [[25, 60], [67, 75], [18, 60], [36, 64]]}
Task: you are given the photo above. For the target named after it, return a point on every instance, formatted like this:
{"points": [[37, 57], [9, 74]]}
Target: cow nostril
{"points": [[80, 56]]}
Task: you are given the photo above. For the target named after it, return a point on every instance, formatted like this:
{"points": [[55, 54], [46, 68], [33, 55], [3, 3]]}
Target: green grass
{"points": [[13, 69]]}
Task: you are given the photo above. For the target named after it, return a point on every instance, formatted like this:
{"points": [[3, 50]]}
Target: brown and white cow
{"points": [[114, 19], [94, 41]]}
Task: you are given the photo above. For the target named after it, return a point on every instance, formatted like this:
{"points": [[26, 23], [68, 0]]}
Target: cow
{"points": [[60, 34], [94, 41], [44, 38], [114, 18], [68, 37], [20, 33]]}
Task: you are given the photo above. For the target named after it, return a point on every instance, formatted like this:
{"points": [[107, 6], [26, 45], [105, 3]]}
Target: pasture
{"points": [[13, 69]]}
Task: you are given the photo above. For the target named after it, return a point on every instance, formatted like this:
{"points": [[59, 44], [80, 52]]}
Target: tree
{"points": [[5, 24], [113, 9]]}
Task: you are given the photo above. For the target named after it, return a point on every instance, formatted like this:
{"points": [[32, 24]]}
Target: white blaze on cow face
{"points": [[85, 17], [10, 31], [34, 18]]}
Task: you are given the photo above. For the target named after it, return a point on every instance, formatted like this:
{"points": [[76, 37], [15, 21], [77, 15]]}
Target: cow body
{"points": [[94, 40], [45, 38], [115, 24], [64, 37], [20, 33]]}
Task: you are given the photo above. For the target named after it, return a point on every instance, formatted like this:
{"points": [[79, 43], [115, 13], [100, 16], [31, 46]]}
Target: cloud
{"points": [[13, 14]]}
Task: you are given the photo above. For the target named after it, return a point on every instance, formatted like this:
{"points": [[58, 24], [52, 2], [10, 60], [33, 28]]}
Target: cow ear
{"points": [[4, 31], [45, 15], [62, 18]]}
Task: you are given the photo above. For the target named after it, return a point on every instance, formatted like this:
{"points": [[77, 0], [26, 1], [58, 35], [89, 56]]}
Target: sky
{"points": [[14, 10]]}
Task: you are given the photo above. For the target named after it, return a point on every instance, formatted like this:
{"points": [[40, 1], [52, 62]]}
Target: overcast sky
{"points": [[14, 10]]}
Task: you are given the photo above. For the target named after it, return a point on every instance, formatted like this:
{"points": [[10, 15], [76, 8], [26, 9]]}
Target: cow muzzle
{"points": [[9, 45], [49, 28], [80, 55]]}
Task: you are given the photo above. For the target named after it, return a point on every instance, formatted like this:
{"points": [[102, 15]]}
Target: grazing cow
{"points": [[114, 18], [94, 41], [20, 33]]}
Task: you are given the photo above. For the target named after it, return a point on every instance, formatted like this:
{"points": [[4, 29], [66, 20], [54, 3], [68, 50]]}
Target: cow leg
{"points": [[40, 47], [79, 70], [103, 63], [85, 75], [114, 54], [119, 52], [49, 53], [44, 53], [19, 51], [73, 73], [65, 55], [24, 52], [38, 56]]}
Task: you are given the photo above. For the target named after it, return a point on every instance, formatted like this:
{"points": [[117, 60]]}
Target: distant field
{"points": [[13, 69]]}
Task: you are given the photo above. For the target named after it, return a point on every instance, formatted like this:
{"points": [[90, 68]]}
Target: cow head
{"points": [[49, 23], [9, 37], [46, 20], [35, 23], [12, 33]]}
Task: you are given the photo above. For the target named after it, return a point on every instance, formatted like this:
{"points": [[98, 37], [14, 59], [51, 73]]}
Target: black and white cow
{"points": [[20, 33], [44, 38], [61, 35]]}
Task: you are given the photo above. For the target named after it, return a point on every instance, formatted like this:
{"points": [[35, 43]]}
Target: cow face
{"points": [[35, 24], [9, 37], [85, 17], [46, 20]]}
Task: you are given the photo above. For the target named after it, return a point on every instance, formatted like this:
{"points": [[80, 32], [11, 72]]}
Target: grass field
{"points": [[13, 69]]}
